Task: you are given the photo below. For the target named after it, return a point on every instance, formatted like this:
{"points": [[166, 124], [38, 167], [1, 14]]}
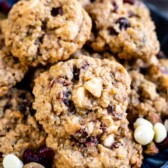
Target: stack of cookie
{"points": [[93, 68]]}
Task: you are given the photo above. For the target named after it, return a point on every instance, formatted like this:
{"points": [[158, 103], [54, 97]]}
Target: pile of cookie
{"points": [[76, 78]]}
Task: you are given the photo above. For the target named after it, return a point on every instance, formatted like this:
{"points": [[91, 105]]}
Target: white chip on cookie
{"points": [[11, 161]]}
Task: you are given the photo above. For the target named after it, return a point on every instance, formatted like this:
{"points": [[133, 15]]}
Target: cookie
{"points": [[41, 31], [145, 97], [158, 73], [79, 86], [18, 128], [81, 104], [123, 27], [11, 71]]}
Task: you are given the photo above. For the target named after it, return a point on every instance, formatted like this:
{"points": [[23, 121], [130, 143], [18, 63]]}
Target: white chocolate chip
{"points": [[11, 161], [166, 124], [80, 97], [94, 86], [109, 140], [160, 132], [143, 134], [142, 121]]}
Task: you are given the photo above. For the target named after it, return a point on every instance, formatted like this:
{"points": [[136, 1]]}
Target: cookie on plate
{"points": [[41, 31], [81, 104], [124, 27], [18, 128]]}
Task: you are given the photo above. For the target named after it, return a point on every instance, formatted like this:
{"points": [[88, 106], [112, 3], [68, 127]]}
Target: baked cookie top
{"points": [[124, 27], [81, 104], [11, 71], [149, 90], [79, 87], [18, 128], [42, 31]]}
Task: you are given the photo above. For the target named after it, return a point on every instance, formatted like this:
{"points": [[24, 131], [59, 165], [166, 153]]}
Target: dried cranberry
{"points": [[132, 2], [46, 156], [110, 109], [115, 6], [163, 145], [123, 23], [66, 98], [57, 11], [71, 107], [84, 66], [112, 31], [81, 136], [115, 145], [43, 156], [30, 156], [76, 73], [92, 141], [143, 70]]}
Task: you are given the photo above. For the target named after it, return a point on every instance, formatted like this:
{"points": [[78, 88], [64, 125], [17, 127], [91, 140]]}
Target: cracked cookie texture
{"points": [[18, 127], [45, 31], [123, 27], [149, 90], [81, 104]]}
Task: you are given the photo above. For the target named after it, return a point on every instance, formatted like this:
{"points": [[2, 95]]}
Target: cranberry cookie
{"points": [[81, 104], [18, 128], [11, 71], [149, 91], [124, 27], [42, 31]]}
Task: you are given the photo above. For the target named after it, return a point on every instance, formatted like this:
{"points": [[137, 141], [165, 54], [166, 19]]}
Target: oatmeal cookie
{"points": [[145, 97], [18, 128], [11, 71], [80, 86], [42, 31], [81, 104], [123, 27], [158, 73]]}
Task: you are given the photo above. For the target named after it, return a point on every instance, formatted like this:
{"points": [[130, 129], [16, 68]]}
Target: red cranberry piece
{"points": [[92, 141], [143, 70], [112, 31], [76, 73], [57, 11], [132, 2], [43, 156], [115, 6], [30, 156], [110, 109], [46, 156], [163, 145], [115, 145], [123, 23]]}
